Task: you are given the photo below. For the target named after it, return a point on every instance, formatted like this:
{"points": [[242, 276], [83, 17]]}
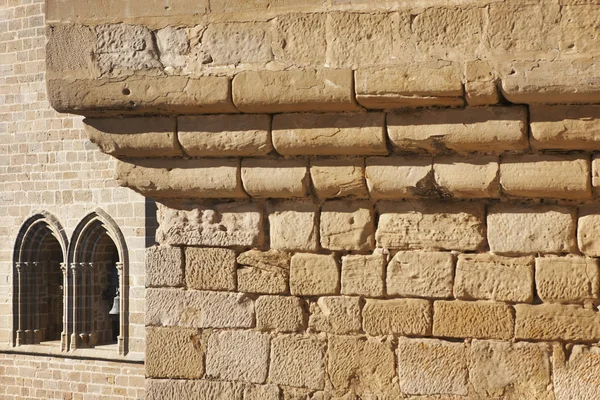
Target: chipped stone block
{"points": [[588, 230], [263, 272], [406, 317], [473, 319], [557, 322], [293, 226], [567, 279], [335, 314], [298, 360], [364, 275], [576, 375], [299, 39], [173, 46], [160, 389], [467, 178], [210, 269], [347, 225], [314, 275], [174, 353], [420, 274], [399, 177], [164, 266], [279, 313], [69, 50], [275, 178], [233, 43], [261, 392], [338, 177], [480, 85], [559, 127]]}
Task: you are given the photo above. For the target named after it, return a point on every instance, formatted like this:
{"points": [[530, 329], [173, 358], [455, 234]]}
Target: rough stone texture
{"points": [[299, 39], [575, 376], [278, 313], [364, 275], [160, 389], [480, 85], [235, 43], [361, 364], [563, 177], [224, 135], [198, 309], [238, 356], [467, 178], [298, 360], [335, 314], [227, 224], [510, 370], [174, 353], [596, 174], [490, 129], [164, 266], [560, 127], [261, 392], [588, 230], [347, 225], [468, 319], [263, 272], [556, 322], [399, 177], [338, 177], [413, 225], [294, 90], [419, 274], [430, 367], [492, 277], [69, 50], [406, 317], [275, 178], [180, 178], [293, 226], [173, 47], [329, 134], [314, 275], [409, 85], [134, 137], [567, 279], [515, 229], [210, 269]]}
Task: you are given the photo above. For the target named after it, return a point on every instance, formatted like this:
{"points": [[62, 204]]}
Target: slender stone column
{"points": [[20, 300], [120, 293], [36, 270], [92, 320], [75, 332], [29, 302], [64, 336]]}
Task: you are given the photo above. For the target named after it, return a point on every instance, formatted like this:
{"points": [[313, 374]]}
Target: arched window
{"points": [[39, 280]]}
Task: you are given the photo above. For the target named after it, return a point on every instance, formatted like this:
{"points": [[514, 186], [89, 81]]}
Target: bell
{"points": [[115, 310]]}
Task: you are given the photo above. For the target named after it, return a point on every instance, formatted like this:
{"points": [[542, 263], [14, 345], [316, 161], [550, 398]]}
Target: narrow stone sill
{"points": [[52, 349]]}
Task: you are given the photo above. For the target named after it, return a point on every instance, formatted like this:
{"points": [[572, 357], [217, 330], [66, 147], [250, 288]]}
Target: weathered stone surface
{"points": [[596, 174], [210, 269], [134, 137], [399, 177], [489, 129], [576, 375], [347, 225], [69, 50], [298, 360], [160, 389], [138, 95], [338, 177], [492, 277], [428, 367], [164, 266], [275, 178], [467, 178], [198, 309], [588, 230], [293, 226], [563, 177], [560, 127], [263, 272], [224, 135], [364, 275], [557, 322], [364, 365], [238, 356], [567, 279], [294, 91], [234, 43], [279, 313], [261, 392], [419, 274], [480, 85], [299, 39], [180, 178], [173, 47], [473, 319], [314, 275], [410, 85], [406, 317], [227, 224], [329, 134], [516, 229], [414, 225], [511, 371], [335, 314], [174, 353]]}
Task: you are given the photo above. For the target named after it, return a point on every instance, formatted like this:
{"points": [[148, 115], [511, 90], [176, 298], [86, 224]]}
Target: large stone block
{"points": [[69, 50], [557, 322], [293, 226], [335, 314], [160, 389], [233, 43], [275, 178], [279, 313], [299, 39], [261, 392], [263, 272], [588, 230], [364, 275], [489, 129], [473, 319], [406, 317], [224, 135], [174, 353], [238, 356], [314, 275], [329, 134], [460, 177], [437, 226], [480, 85], [294, 91], [492, 277], [222, 225], [515, 229], [563, 177], [431, 367], [338, 177], [164, 266], [419, 274], [347, 225], [567, 279], [576, 375], [559, 127], [298, 361], [210, 269], [399, 177]]}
